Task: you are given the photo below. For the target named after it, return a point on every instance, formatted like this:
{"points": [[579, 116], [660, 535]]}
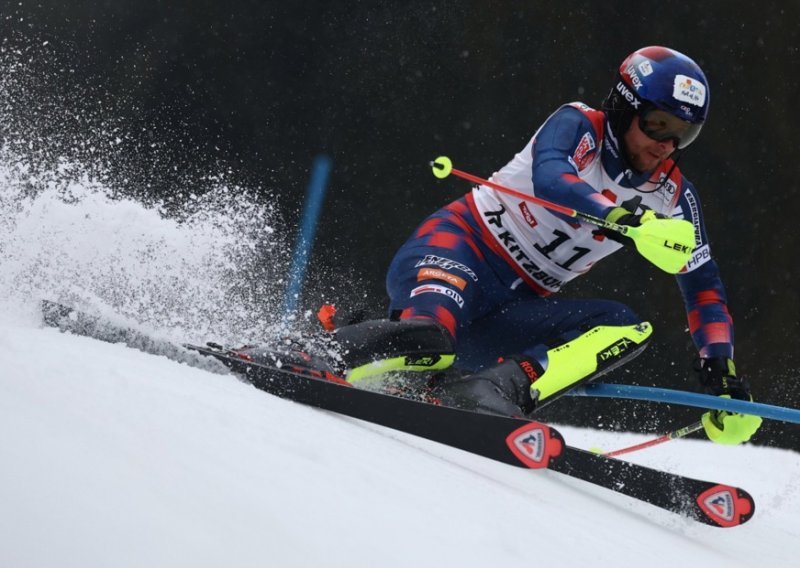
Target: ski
{"points": [[514, 441], [509, 440], [104, 329], [706, 502], [714, 504]]}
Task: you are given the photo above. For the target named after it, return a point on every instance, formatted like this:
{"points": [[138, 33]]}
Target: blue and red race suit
{"points": [[487, 266]]}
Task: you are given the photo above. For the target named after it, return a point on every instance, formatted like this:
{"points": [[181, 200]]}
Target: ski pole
{"points": [[667, 243], [679, 433], [443, 167], [698, 400]]}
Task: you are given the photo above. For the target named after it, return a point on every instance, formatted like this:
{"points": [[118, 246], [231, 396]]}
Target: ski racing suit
{"points": [[488, 265]]}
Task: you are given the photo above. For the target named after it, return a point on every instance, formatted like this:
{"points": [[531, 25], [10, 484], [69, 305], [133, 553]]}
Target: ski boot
{"points": [[373, 348], [520, 384], [364, 354]]}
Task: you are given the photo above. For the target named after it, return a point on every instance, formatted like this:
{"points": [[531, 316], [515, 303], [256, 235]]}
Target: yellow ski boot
{"points": [[519, 384], [586, 357]]}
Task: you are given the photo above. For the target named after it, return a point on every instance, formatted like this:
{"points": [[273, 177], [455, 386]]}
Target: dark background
{"points": [[257, 88]]}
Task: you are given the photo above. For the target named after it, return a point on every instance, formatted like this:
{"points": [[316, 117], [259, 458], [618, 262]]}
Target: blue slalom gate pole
{"points": [[315, 195], [706, 401]]}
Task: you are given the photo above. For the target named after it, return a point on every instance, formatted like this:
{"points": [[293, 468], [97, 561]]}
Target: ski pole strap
{"points": [[705, 401]]}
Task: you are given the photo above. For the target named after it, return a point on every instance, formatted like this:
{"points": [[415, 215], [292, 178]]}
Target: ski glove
{"points": [[622, 216], [718, 377], [626, 215]]}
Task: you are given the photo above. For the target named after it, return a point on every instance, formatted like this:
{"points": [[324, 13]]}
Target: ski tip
{"points": [[725, 506], [536, 445]]}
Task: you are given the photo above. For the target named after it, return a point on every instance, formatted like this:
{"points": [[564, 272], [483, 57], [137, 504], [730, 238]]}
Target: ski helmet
{"points": [[666, 89]]}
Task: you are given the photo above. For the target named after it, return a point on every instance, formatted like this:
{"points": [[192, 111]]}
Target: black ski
{"points": [[510, 440], [513, 441], [710, 503], [492, 436]]}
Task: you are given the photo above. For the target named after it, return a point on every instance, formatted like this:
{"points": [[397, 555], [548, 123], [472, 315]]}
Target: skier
{"points": [[477, 280]]}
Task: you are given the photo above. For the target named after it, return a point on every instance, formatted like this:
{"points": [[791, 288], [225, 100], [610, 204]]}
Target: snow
{"points": [[112, 457]]}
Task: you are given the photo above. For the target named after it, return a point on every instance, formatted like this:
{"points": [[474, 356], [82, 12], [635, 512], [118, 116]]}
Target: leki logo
{"points": [[676, 246], [423, 361], [615, 350]]}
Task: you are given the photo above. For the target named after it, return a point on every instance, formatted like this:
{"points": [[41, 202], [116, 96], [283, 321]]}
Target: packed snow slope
{"points": [[112, 457]]}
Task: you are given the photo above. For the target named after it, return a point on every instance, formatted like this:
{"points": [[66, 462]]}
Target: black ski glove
{"points": [[718, 377]]}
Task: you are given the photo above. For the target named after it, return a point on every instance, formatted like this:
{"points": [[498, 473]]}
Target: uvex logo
{"points": [[630, 97]]}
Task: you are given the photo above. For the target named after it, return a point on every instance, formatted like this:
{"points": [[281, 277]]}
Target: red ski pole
{"points": [[667, 243], [680, 433], [442, 167]]}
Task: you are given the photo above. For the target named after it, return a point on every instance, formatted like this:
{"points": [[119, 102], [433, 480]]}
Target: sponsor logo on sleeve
{"points": [[699, 257], [688, 90], [584, 150], [694, 209], [437, 289], [447, 264], [439, 274]]}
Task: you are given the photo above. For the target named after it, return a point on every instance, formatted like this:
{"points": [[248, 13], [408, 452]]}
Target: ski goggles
{"points": [[660, 125]]}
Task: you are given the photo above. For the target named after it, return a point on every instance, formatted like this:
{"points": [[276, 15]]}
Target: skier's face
{"points": [[644, 153]]}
